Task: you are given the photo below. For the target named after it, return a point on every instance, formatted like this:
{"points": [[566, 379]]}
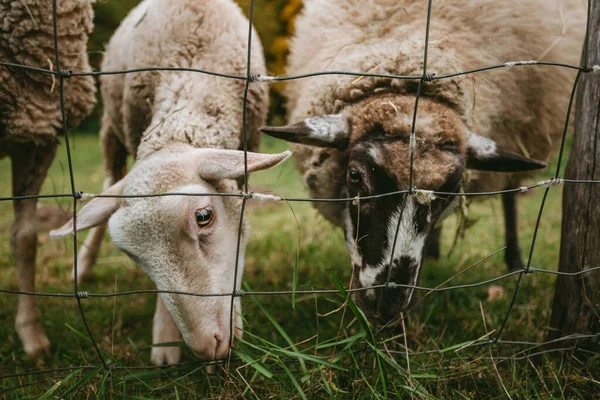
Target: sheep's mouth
{"points": [[384, 303]]}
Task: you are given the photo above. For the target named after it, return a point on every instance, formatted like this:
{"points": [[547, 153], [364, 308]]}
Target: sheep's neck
{"points": [[198, 130]]}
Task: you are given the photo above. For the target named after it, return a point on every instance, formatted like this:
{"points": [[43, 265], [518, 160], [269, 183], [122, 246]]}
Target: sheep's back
{"points": [[151, 109], [29, 101], [522, 108]]}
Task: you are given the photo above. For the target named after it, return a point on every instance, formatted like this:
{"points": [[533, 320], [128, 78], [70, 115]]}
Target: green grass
{"points": [[317, 349]]}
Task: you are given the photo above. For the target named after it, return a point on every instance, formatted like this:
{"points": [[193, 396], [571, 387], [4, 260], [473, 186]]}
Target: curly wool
{"points": [[29, 101], [521, 108], [150, 110]]}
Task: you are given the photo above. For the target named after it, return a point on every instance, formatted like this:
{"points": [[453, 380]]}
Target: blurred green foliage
{"points": [[273, 20], [108, 14]]}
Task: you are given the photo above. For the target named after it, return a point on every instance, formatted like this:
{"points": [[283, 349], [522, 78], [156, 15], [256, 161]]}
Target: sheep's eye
{"points": [[205, 217], [354, 175]]}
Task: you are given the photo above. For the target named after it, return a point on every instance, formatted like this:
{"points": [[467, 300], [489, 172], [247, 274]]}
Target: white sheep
{"points": [[185, 130], [31, 123], [354, 132]]}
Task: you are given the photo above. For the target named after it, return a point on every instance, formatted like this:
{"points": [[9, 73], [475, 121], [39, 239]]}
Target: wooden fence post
{"points": [[576, 306]]}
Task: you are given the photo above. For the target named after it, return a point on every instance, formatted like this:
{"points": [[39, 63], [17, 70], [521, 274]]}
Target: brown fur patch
{"points": [[439, 132]]}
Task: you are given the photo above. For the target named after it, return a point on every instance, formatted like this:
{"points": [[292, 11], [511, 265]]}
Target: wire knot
{"points": [[78, 195], [238, 293], [87, 196], [423, 196], [82, 295], [412, 191], [254, 78], [529, 270], [65, 73], [514, 63], [391, 285], [261, 78], [263, 197], [591, 68], [428, 77], [552, 182]]}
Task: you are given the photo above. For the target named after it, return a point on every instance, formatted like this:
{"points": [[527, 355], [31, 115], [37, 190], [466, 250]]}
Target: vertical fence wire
{"points": [[411, 149], [76, 195]]}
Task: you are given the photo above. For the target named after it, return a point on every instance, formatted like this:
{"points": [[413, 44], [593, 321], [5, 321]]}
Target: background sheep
{"points": [[173, 123], [31, 122], [358, 128]]}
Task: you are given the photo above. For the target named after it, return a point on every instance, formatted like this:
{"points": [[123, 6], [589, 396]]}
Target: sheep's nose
{"points": [[210, 347]]}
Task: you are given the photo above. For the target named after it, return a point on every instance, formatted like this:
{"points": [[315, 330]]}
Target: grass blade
{"points": [[281, 331], [362, 319], [85, 379], [292, 379], [49, 393], [262, 369]]}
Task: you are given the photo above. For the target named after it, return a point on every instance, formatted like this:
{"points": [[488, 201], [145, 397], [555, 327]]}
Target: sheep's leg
{"points": [[115, 164], [29, 168], [164, 330], [512, 254], [432, 245]]}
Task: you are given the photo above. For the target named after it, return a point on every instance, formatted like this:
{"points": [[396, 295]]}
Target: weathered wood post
{"points": [[576, 307]]}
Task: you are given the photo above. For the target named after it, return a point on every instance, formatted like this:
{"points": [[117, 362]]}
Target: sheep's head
{"points": [[184, 243], [385, 236]]}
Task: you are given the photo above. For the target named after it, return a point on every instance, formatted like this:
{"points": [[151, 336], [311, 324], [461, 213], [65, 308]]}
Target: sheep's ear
{"points": [[486, 155], [325, 131], [214, 164], [93, 213]]}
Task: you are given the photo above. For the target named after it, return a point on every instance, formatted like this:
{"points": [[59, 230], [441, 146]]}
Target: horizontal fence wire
{"points": [[246, 195], [256, 78], [555, 182], [241, 293]]}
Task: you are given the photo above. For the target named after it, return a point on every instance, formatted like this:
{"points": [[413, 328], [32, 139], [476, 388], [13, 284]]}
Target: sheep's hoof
{"points": [[35, 342], [165, 355]]}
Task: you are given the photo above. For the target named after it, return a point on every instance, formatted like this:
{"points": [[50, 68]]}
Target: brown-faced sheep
{"points": [[354, 133]]}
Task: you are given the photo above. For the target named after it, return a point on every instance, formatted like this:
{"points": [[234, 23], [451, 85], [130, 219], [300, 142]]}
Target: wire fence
{"points": [[525, 347]]}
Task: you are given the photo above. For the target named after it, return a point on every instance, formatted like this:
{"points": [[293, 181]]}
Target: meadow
{"points": [[308, 345]]}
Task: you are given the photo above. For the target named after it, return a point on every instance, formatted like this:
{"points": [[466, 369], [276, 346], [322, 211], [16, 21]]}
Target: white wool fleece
{"points": [[157, 108]]}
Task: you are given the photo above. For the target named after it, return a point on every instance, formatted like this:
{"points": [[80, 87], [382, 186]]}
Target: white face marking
{"points": [[350, 239], [409, 243], [375, 154], [372, 151], [328, 127], [483, 147], [368, 275]]}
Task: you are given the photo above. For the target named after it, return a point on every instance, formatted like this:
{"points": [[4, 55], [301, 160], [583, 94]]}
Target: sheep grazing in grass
{"points": [[476, 132], [185, 131], [31, 123]]}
